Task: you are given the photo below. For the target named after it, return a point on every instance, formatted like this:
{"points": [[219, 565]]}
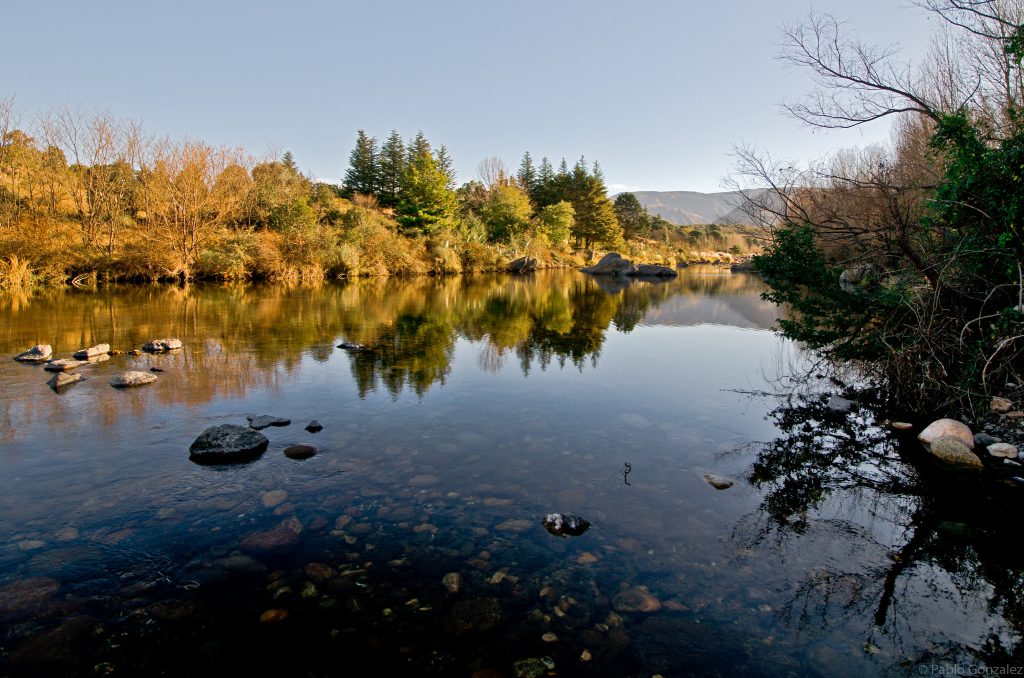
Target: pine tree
{"points": [[426, 201], [445, 163], [390, 168], [543, 192], [527, 174], [361, 176]]}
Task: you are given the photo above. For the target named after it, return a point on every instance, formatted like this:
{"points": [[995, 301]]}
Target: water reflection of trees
{"points": [[239, 337], [895, 542]]}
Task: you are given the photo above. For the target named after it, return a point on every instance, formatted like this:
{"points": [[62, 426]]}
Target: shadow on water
{"points": [[920, 562]]}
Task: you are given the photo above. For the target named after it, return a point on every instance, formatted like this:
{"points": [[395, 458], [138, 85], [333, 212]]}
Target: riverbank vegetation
{"points": [[906, 260], [86, 198]]}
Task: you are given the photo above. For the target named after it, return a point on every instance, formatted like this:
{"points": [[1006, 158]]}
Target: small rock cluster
{"points": [[63, 367], [953, 443], [232, 443]]}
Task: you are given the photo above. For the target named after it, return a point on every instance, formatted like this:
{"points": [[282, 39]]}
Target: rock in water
{"points": [[351, 346], [62, 379], [948, 428], [132, 378], [655, 271], [63, 365], [265, 420], [162, 345], [299, 451], [952, 451], [523, 265], [227, 443], [92, 351], [314, 426], [717, 481], [984, 440], [452, 582], [611, 264], [635, 599], [37, 354], [566, 525]]}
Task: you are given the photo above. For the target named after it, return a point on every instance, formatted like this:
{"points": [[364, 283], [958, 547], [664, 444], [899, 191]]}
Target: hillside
{"points": [[691, 207]]}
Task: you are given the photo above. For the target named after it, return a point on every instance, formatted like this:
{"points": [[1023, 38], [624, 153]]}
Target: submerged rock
{"points": [[23, 597], [131, 378], [566, 525], [718, 481], [635, 599], [227, 443], [452, 582], [300, 451], [280, 538], [63, 365], [953, 451], [314, 426], [351, 346], [265, 420], [947, 428], [162, 345], [62, 379], [37, 354], [92, 351]]}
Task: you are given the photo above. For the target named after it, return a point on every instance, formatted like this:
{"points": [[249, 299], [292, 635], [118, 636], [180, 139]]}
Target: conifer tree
{"points": [[361, 176], [391, 166], [426, 201], [446, 165], [527, 174]]}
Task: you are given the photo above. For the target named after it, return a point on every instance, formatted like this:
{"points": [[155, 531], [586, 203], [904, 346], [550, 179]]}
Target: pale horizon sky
{"points": [[658, 92]]}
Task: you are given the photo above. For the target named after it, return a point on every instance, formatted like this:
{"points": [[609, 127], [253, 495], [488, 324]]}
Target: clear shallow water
{"points": [[483, 404]]}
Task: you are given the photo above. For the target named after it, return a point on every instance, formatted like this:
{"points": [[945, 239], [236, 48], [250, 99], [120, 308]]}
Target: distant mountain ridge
{"points": [[691, 207]]}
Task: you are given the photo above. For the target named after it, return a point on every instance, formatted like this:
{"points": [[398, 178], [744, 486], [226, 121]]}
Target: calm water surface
{"points": [[481, 405]]}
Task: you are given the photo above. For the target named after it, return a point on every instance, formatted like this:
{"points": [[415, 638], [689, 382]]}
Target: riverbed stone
{"points": [[314, 426], [265, 420], [901, 425], [952, 450], [63, 365], [39, 353], [273, 498], [23, 597], [227, 443], [452, 582], [300, 451], [130, 378], [950, 428], [62, 379], [278, 539], [635, 599], [984, 440], [514, 525], [1004, 450], [92, 351], [162, 345], [718, 481]]}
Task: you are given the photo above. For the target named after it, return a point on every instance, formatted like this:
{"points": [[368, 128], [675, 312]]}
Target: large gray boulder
{"points": [[131, 378], [92, 351], [39, 353], [162, 345], [611, 264], [227, 443]]}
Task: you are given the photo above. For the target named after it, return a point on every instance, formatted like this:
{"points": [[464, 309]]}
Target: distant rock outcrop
{"points": [[614, 264]]}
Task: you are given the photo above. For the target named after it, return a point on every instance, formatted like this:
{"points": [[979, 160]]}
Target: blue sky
{"points": [[658, 92]]}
